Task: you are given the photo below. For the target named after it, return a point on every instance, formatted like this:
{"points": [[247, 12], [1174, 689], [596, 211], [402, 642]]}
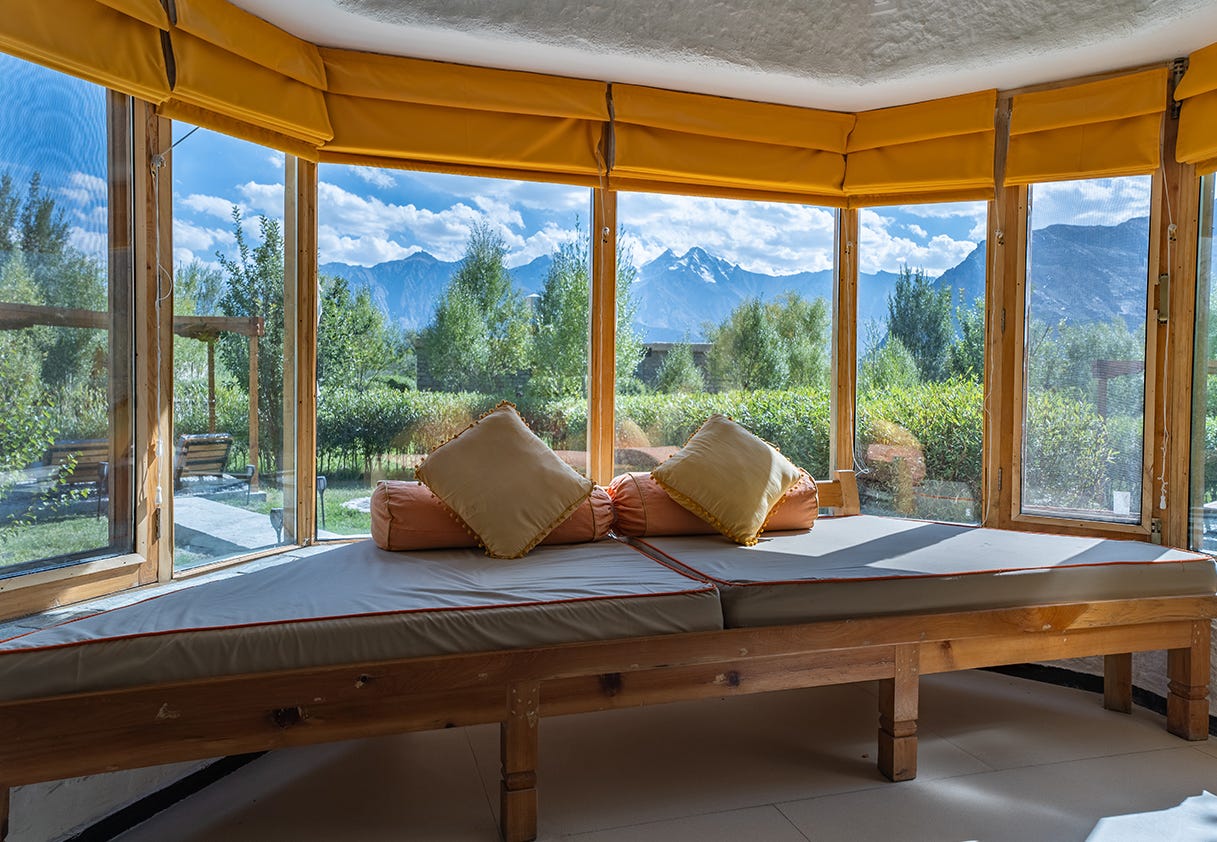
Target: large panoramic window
{"points": [[441, 296], [723, 306], [921, 360], [1083, 430], [1203, 520], [233, 428], [66, 488]]}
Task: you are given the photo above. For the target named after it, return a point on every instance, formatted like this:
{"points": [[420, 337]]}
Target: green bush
{"points": [[358, 428], [1068, 455]]}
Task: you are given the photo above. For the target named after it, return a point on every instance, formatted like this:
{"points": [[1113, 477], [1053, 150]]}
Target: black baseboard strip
{"points": [[1085, 681], [128, 817]]}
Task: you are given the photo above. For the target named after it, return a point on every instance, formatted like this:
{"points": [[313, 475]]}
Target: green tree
{"points": [[966, 357], [746, 350], [631, 347], [254, 288], [920, 317], [887, 366], [197, 289], [10, 208], [678, 373], [481, 333], [355, 346], [28, 424], [559, 350], [803, 327]]}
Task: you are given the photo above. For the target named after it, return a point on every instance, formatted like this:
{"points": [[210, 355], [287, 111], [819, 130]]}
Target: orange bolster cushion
{"points": [[407, 516], [643, 508]]}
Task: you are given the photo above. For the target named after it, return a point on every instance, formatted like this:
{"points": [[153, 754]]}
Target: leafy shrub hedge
{"points": [[1070, 447]]}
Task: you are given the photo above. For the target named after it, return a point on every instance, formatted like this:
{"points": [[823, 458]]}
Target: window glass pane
{"points": [[1084, 366], [1203, 521], [440, 297], [723, 306], [921, 360], [65, 329], [233, 428]]}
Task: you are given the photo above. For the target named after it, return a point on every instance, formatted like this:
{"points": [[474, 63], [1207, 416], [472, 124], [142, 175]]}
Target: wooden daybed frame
{"points": [[80, 734]]}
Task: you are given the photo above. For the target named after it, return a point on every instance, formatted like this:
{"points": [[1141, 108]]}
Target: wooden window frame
{"points": [[1169, 351]]}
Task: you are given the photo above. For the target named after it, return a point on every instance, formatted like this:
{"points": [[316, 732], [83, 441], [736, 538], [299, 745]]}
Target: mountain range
{"points": [[1084, 273]]}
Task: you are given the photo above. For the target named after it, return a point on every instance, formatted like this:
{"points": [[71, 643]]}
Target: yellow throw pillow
{"points": [[504, 482], [728, 477]]}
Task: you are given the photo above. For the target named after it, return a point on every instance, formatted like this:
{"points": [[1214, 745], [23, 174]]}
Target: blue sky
{"points": [[55, 124]]}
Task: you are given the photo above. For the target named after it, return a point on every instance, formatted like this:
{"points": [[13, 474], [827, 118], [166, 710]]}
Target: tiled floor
{"points": [[1001, 759]]}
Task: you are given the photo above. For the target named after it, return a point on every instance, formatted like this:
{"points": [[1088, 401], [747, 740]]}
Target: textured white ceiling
{"points": [[841, 54]]}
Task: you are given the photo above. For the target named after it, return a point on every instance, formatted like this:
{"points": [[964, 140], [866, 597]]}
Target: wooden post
{"points": [[253, 410], [845, 343], [300, 350], [211, 385], [4, 809], [518, 750], [1117, 682], [121, 286], [1187, 705], [898, 716], [602, 376]]}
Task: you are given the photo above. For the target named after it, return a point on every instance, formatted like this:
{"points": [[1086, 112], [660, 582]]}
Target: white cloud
{"points": [[277, 160], [211, 205], [366, 229], [1102, 201], [880, 249], [197, 238], [84, 189], [531, 195], [917, 231], [360, 251], [768, 237], [545, 241], [91, 242], [375, 177], [441, 233], [263, 199]]}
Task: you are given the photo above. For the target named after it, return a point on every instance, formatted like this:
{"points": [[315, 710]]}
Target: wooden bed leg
{"points": [[1117, 682], [4, 803], [518, 744], [1187, 705], [898, 717]]}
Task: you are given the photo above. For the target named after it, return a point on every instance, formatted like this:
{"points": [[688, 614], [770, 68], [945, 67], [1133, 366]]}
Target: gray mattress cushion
{"points": [[360, 603], [865, 565]]}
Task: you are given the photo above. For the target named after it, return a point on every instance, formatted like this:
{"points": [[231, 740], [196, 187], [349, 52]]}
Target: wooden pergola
{"points": [[203, 328]]}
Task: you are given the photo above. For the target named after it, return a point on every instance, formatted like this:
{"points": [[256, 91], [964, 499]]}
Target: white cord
{"points": [[1171, 232]]}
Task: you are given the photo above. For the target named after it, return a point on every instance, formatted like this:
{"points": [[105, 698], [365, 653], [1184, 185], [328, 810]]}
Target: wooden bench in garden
{"points": [[204, 455]]}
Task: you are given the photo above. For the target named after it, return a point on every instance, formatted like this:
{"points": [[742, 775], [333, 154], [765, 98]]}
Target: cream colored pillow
{"points": [[504, 482], [728, 477]]}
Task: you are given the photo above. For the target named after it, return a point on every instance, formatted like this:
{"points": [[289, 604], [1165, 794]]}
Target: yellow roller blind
{"points": [[1197, 141], [1107, 128], [151, 12], [390, 111], [667, 141], [115, 43], [238, 74], [941, 150]]}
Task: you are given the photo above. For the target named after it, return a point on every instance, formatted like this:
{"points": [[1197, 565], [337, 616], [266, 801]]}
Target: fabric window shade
{"points": [[115, 43], [400, 112], [1108, 128], [238, 74], [935, 151], [667, 141], [1197, 140]]}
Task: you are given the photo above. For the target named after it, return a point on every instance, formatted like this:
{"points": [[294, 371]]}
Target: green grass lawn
{"points": [[32, 542], [70, 535]]}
